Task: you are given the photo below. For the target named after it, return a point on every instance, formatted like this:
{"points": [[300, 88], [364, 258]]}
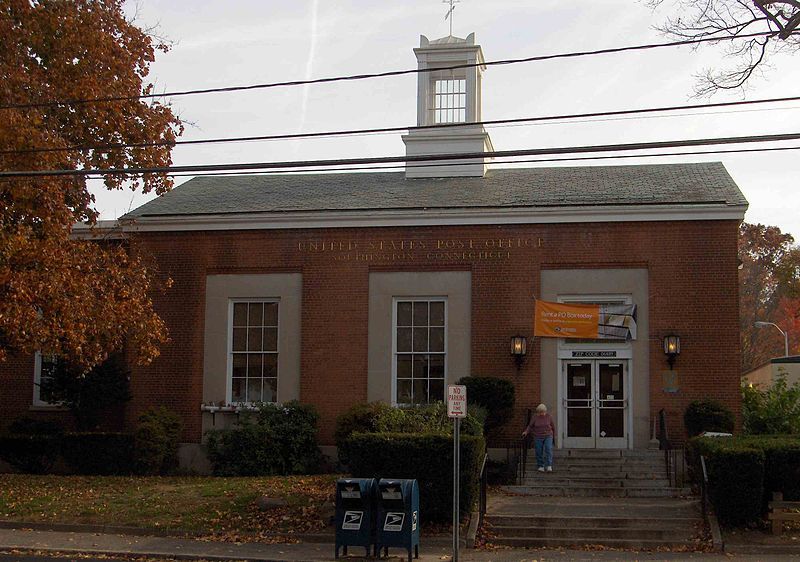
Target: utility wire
{"points": [[443, 126], [396, 159], [526, 161], [76, 101]]}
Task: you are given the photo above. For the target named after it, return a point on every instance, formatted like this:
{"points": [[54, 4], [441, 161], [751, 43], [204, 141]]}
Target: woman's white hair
{"points": [[541, 408]]}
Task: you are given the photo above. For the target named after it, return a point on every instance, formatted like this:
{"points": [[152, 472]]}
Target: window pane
{"points": [[255, 314], [420, 339], [270, 314], [437, 339], [240, 314], [270, 361], [254, 390], [270, 390], [270, 339], [403, 339], [404, 366], [436, 390], [254, 365], [404, 391], [404, 314], [239, 364], [420, 366], [420, 314], [238, 392], [437, 314], [240, 339], [420, 391], [436, 366], [254, 339], [438, 86]]}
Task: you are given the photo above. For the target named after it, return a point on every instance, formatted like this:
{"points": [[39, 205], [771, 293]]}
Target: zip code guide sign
{"points": [[456, 401]]}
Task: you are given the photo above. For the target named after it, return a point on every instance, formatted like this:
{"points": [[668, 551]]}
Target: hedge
{"points": [[99, 453], [735, 475], [428, 458], [273, 440], [743, 473], [82, 453], [33, 454]]}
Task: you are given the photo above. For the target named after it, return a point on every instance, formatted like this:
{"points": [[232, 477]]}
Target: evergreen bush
{"points": [[156, 441], [99, 453], [735, 475], [495, 395], [707, 415], [774, 410], [273, 440], [428, 458]]}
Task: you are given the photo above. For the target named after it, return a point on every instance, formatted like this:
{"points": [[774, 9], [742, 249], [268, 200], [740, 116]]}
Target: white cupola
{"points": [[448, 97]]}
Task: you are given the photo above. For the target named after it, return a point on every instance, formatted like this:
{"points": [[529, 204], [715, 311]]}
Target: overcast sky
{"points": [[251, 41]]}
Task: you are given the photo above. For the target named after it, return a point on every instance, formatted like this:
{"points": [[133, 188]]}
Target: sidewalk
{"points": [[189, 549]]}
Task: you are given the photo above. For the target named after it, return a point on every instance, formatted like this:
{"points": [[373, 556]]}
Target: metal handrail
{"points": [[704, 488], [525, 444], [482, 497]]}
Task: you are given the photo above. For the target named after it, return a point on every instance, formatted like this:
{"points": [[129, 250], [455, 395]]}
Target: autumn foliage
{"points": [[74, 297], [769, 290]]}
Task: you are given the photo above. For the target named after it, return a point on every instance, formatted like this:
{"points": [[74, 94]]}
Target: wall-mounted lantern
{"points": [[519, 348], [672, 348]]}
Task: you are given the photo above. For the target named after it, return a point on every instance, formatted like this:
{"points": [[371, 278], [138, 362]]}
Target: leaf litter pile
{"points": [[218, 509]]}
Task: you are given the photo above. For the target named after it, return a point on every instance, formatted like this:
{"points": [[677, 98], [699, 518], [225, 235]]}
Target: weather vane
{"points": [[449, 13]]}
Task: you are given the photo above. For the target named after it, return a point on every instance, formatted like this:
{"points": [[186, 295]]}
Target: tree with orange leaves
{"points": [[769, 290], [76, 298]]}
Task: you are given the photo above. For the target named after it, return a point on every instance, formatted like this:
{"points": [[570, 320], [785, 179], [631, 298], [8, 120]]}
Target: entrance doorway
{"points": [[595, 404]]}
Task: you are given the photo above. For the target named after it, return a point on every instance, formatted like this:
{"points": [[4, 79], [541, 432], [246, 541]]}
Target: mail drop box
{"points": [[398, 515], [355, 513]]}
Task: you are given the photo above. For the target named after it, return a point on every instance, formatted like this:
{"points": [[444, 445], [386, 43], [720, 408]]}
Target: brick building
{"points": [[336, 289]]}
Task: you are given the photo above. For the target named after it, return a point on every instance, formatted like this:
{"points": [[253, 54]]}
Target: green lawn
{"points": [[218, 508]]}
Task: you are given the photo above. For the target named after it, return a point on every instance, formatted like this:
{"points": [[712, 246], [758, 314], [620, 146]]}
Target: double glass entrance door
{"points": [[595, 404]]}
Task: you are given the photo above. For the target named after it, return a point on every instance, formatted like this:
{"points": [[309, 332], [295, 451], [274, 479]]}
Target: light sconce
{"points": [[519, 347], [672, 348]]}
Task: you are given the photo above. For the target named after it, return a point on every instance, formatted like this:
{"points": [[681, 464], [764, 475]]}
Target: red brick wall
{"points": [[692, 282]]}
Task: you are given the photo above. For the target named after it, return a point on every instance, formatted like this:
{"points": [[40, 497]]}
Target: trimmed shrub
{"points": [[360, 418], [781, 464], [35, 454], [379, 417], [428, 458], [274, 440], [735, 475], [32, 426], [99, 453], [707, 415], [156, 441], [495, 395]]}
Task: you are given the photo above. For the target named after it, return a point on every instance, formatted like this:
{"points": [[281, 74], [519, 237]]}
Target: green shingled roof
{"points": [[667, 184]]}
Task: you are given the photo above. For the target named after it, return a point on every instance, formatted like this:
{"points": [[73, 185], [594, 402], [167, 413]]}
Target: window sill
{"points": [[48, 408]]}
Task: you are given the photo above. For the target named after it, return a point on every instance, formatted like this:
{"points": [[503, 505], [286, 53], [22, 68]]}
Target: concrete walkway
{"points": [[189, 549]]}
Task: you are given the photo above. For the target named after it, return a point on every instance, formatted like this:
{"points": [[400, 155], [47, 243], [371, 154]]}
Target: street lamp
{"points": [[761, 324]]}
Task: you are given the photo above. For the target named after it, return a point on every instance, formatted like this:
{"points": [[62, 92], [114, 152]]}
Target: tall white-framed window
{"points": [[43, 371], [253, 350], [419, 349], [449, 100]]}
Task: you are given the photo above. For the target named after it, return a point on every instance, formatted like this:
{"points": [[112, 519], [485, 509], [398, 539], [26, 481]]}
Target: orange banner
{"points": [[558, 320]]}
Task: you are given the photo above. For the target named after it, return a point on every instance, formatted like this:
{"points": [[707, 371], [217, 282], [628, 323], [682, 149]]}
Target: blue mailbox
{"points": [[398, 516], [355, 513]]}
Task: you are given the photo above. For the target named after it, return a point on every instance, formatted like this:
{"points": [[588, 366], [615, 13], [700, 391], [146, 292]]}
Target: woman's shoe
{"points": [[549, 469], [540, 469]]}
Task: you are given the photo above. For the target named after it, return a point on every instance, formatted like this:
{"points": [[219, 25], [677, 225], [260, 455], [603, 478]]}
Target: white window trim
{"points": [[229, 350], [397, 299], [37, 380]]}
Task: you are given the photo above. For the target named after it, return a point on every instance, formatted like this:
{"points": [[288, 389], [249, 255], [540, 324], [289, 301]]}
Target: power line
{"points": [[349, 132], [396, 159], [352, 77], [525, 161]]}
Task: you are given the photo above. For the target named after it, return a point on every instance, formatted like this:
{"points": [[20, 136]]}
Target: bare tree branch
{"points": [[728, 19]]}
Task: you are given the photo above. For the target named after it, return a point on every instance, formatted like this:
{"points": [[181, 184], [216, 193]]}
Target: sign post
{"points": [[456, 409]]}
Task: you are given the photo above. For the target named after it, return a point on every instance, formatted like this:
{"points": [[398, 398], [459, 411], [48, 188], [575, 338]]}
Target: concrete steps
{"points": [[619, 499]]}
